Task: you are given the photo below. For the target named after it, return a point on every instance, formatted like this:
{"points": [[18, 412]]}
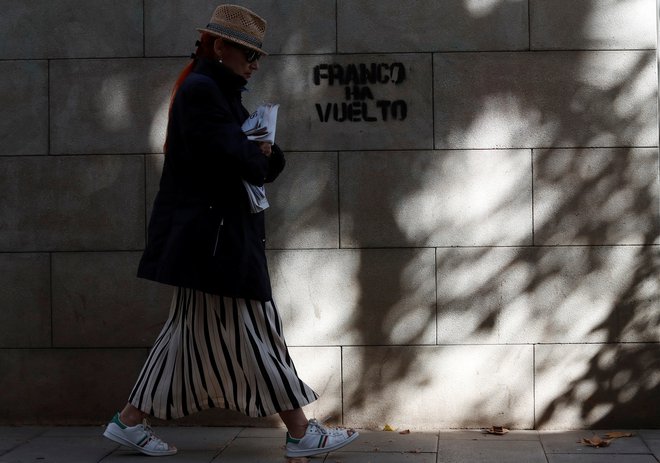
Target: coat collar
{"points": [[224, 77]]}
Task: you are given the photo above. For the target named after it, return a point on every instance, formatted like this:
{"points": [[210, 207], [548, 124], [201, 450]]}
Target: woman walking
{"points": [[222, 344]]}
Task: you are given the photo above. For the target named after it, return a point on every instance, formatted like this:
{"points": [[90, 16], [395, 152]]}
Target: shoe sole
{"points": [[120, 440], [319, 451]]}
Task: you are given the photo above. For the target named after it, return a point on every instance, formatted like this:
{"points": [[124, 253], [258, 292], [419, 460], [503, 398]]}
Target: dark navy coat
{"points": [[202, 234]]}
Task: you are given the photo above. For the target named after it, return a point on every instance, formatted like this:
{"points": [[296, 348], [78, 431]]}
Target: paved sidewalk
{"points": [[265, 445]]}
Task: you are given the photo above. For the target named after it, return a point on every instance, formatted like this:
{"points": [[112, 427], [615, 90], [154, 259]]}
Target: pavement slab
{"points": [[382, 441], [569, 442], [261, 450], [562, 458], [61, 450], [483, 451]]}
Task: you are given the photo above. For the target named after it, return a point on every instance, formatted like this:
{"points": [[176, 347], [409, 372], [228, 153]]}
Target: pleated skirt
{"points": [[219, 352]]}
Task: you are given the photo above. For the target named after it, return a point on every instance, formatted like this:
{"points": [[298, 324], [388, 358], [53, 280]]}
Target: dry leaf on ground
{"points": [[595, 441], [406, 431], [498, 430], [617, 434], [298, 460], [387, 427]]}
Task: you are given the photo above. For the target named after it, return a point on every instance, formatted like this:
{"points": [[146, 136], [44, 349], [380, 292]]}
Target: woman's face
{"points": [[235, 57]]}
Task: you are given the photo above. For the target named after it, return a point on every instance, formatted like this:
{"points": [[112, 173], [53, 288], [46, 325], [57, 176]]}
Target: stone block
{"points": [[294, 26], [431, 387], [355, 297], [348, 102], [66, 386], [24, 101], [110, 106], [71, 203], [25, 300], [541, 295], [596, 386], [106, 305], [44, 29], [596, 196], [546, 99], [391, 26], [303, 199], [592, 24], [435, 198]]}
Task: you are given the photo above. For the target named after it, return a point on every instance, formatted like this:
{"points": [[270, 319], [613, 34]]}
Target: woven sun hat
{"points": [[238, 25]]}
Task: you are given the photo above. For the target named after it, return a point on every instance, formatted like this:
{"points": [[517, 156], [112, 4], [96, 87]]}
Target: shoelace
{"points": [[324, 429], [315, 424], [152, 436]]}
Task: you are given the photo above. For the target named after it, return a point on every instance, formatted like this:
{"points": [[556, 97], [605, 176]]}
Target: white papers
{"points": [[257, 197], [261, 125]]}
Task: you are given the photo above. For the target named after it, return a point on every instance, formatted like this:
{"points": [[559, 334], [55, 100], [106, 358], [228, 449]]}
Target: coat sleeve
{"points": [[276, 163], [210, 132]]}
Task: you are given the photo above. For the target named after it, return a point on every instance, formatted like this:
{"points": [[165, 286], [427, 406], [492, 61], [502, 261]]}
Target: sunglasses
{"points": [[250, 55]]}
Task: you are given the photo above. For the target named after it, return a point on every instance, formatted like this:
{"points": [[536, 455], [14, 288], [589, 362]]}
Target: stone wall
{"points": [[467, 232]]}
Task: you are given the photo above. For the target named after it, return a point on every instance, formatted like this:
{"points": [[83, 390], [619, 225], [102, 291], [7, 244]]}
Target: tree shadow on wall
{"points": [[566, 290]]}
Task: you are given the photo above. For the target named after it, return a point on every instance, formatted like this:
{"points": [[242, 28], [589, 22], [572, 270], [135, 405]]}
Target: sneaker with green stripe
{"points": [[318, 439], [139, 437]]}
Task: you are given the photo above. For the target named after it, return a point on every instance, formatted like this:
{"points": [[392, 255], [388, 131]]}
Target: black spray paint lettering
{"points": [[360, 74], [359, 111], [360, 104]]}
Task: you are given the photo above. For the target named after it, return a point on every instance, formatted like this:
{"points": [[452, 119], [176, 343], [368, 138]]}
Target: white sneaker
{"points": [[318, 439], [139, 437]]}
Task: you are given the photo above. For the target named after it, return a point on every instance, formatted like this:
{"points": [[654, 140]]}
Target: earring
{"points": [[219, 59]]}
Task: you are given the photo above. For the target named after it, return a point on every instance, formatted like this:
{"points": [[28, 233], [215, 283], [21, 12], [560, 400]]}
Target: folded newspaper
{"points": [[260, 127]]}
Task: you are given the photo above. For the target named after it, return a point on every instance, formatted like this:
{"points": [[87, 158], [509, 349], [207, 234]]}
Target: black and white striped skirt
{"points": [[217, 351]]}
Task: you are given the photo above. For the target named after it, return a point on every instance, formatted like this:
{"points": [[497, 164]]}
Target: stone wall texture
{"points": [[467, 233]]}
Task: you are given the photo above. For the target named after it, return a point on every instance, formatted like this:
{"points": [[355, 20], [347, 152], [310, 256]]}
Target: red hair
{"points": [[204, 50]]}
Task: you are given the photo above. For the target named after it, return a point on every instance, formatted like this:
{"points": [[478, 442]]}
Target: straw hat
{"points": [[239, 25]]}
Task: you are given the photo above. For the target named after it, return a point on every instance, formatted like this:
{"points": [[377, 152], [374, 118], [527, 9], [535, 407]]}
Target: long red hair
{"points": [[204, 50]]}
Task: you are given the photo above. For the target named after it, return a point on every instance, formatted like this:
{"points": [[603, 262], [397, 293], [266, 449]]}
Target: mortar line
{"points": [[146, 206], [529, 25], [50, 284], [48, 148], [144, 30], [433, 96], [376, 248], [435, 280], [342, 346], [338, 204], [336, 26], [341, 381], [657, 54], [534, 423], [532, 186], [316, 55]]}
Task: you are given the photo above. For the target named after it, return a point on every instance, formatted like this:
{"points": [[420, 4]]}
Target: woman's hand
{"points": [[266, 148]]}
